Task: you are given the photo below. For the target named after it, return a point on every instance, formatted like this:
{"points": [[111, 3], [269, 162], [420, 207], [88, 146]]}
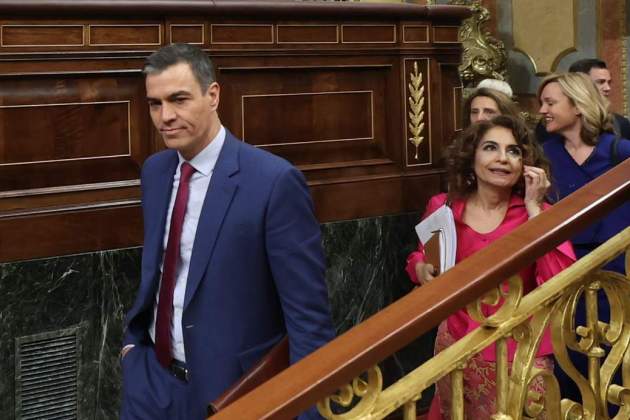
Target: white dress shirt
{"points": [[204, 164]]}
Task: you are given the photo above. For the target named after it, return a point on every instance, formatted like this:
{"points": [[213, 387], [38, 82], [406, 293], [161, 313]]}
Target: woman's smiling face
{"points": [[498, 159], [559, 113]]}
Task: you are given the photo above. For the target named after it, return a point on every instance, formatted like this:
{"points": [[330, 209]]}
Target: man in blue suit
{"points": [[232, 257]]}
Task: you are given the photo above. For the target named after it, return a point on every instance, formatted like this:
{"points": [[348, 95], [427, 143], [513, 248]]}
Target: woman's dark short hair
{"points": [[460, 155], [199, 62]]}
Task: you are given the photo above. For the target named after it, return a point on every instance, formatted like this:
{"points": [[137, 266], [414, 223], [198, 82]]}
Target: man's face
{"points": [[601, 78], [184, 113]]}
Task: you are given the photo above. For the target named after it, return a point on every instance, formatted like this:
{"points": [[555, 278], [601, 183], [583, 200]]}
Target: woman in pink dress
{"points": [[497, 177]]}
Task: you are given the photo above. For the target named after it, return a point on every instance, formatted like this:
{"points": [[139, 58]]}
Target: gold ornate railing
{"points": [[525, 319], [325, 371]]}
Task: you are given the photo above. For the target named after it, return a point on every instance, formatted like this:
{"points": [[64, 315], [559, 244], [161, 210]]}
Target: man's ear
{"points": [[214, 92]]}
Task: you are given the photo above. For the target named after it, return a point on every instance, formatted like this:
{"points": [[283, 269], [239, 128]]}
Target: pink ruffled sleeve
{"points": [[554, 261], [418, 255]]}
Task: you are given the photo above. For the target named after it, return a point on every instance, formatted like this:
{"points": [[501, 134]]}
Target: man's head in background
{"points": [[598, 72]]}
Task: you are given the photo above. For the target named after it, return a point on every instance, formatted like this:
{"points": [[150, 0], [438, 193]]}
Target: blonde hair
{"points": [[583, 94]]}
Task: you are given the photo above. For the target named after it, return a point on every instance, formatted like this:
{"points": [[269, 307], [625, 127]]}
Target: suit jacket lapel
{"points": [[158, 187], [215, 206]]}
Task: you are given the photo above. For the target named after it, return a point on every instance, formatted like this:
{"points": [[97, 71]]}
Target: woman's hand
{"points": [[536, 186], [424, 272]]}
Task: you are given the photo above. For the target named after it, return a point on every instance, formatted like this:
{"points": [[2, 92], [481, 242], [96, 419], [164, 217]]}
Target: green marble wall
{"points": [[366, 261]]}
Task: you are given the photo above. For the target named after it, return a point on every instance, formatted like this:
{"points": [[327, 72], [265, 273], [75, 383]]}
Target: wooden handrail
{"points": [[323, 372]]}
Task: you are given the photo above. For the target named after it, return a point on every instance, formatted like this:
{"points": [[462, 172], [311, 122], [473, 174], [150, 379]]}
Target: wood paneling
{"points": [[60, 130], [71, 232], [445, 34], [42, 35], [311, 114], [187, 33], [308, 117], [307, 34], [241, 34], [120, 35], [66, 131], [322, 85], [416, 34], [368, 34]]}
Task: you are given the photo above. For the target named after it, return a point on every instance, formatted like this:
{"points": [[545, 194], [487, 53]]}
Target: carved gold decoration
{"points": [[484, 56], [544, 31], [526, 319], [416, 106], [368, 391]]}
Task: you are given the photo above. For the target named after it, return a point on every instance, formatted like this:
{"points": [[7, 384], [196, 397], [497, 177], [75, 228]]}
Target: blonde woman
{"points": [[584, 149]]}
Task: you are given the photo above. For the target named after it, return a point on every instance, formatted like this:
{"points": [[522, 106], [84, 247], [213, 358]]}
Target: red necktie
{"points": [[164, 316]]}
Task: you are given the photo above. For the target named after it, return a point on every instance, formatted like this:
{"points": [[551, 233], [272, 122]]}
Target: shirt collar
{"points": [[205, 161]]}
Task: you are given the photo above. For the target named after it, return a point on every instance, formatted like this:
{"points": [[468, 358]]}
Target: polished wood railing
{"points": [[358, 350]]}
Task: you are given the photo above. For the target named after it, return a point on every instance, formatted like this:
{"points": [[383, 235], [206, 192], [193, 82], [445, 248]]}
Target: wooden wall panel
{"points": [[60, 129], [310, 115], [241, 34], [42, 35], [121, 35], [68, 131], [187, 33], [307, 34], [368, 34], [323, 85]]}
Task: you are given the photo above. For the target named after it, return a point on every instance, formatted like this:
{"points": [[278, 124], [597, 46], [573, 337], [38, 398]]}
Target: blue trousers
{"points": [[150, 392]]}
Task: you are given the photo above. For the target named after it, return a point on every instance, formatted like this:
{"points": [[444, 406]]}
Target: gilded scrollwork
{"points": [[525, 385], [366, 390], [508, 295], [598, 389], [416, 107], [484, 56]]}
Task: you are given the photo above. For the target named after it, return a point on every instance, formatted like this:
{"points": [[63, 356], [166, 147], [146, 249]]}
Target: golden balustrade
{"points": [[356, 353], [525, 319]]}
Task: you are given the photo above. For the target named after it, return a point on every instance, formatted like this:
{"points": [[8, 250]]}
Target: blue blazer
{"points": [[256, 271], [568, 176]]}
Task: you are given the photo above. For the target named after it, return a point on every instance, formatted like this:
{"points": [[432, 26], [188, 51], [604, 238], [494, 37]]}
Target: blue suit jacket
{"points": [[256, 271]]}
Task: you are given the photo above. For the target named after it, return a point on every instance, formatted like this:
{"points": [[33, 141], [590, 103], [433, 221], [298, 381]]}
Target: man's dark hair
{"points": [[199, 62], [585, 65]]}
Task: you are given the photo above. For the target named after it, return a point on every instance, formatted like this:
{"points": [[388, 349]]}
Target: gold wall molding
{"points": [[544, 31], [416, 108]]}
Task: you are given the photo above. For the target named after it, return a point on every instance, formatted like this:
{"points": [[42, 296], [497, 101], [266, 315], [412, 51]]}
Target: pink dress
{"points": [[479, 375]]}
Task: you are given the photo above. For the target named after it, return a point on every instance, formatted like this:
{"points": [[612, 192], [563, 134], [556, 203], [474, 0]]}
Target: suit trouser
{"points": [[150, 392]]}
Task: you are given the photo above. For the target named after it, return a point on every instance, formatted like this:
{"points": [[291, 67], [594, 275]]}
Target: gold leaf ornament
{"points": [[416, 106]]}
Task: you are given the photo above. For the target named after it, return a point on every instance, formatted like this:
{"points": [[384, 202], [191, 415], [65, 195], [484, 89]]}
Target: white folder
{"points": [[439, 238]]}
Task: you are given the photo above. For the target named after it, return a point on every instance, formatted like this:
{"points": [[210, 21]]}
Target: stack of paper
{"points": [[439, 238]]}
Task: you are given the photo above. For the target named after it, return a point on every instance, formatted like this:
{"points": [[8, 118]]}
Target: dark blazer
{"points": [[256, 270]]}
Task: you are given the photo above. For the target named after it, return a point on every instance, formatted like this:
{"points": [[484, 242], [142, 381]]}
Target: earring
{"points": [[471, 179]]}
